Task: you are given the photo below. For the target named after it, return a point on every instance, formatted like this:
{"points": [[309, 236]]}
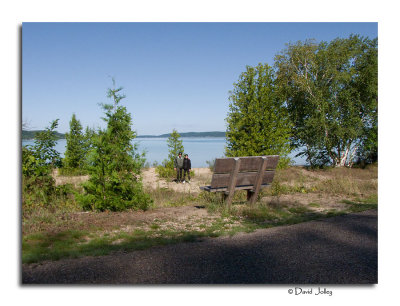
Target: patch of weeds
{"points": [[316, 205], [298, 210], [372, 199], [359, 205], [37, 247], [154, 226]]}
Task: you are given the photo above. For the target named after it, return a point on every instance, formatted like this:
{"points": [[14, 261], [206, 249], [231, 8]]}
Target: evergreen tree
{"points": [[115, 165], [175, 146], [257, 122], [76, 148]]}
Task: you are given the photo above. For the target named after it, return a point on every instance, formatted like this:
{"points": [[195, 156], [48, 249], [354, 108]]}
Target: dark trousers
{"points": [[179, 174], [186, 171]]}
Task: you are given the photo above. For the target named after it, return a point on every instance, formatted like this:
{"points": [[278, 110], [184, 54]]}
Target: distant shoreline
{"points": [[29, 135]]}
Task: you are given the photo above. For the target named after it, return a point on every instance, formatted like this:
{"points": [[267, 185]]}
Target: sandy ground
{"points": [[202, 177], [151, 180]]}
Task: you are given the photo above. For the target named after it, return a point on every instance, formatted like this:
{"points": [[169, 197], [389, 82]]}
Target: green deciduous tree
{"points": [[257, 122], [115, 165], [330, 99]]}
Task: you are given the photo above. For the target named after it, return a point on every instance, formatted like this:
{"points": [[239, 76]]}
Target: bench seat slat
{"points": [[248, 164], [244, 178], [246, 187]]}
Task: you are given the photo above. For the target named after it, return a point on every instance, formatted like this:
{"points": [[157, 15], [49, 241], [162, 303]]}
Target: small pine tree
{"points": [[175, 146], [75, 151], [166, 170], [115, 165]]}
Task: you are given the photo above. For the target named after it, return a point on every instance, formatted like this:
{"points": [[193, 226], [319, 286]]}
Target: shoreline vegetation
{"points": [[184, 213], [30, 135]]}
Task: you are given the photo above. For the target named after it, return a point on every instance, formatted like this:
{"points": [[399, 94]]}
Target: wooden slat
{"points": [[244, 178], [224, 165], [250, 187], [272, 162], [248, 163]]}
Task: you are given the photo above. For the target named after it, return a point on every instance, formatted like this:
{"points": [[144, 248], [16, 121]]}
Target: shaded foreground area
{"points": [[338, 250]]}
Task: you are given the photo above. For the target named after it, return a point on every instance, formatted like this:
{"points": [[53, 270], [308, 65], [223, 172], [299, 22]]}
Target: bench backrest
{"points": [[247, 171]]}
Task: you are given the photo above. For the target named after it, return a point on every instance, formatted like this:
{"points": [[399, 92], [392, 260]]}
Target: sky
{"points": [[174, 75]]}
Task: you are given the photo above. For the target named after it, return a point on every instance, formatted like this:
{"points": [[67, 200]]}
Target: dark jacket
{"points": [[187, 164]]}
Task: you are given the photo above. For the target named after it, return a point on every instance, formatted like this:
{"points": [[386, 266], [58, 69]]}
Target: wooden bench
{"points": [[242, 173]]}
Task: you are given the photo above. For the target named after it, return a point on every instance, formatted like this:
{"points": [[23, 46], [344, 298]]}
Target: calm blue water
{"points": [[200, 150]]}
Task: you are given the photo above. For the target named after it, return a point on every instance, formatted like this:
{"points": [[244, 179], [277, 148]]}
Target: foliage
{"points": [[175, 146], [257, 122], [331, 94], [114, 164], [166, 170], [75, 151], [38, 160]]}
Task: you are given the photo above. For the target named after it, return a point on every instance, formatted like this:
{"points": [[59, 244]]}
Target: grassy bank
{"points": [[63, 230]]}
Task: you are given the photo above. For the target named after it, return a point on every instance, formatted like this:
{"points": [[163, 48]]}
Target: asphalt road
{"points": [[338, 250]]}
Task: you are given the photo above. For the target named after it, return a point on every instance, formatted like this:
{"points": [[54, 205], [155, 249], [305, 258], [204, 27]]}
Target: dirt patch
{"points": [[108, 221], [151, 180], [317, 202], [201, 178]]}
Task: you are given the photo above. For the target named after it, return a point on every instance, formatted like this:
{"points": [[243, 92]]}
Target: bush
{"points": [[164, 172]]}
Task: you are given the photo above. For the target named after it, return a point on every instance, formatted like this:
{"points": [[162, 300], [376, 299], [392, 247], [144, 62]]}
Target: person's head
{"points": [[186, 156], [180, 154]]}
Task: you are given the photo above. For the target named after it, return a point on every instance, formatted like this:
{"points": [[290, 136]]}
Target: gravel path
{"points": [[339, 250]]}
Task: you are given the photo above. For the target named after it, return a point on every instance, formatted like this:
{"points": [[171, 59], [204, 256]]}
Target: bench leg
{"points": [[229, 197], [252, 197]]}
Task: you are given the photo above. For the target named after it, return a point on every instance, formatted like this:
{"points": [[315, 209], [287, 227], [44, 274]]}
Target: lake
{"points": [[200, 150]]}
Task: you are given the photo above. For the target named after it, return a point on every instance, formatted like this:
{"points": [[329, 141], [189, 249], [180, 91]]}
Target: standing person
{"points": [[187, 165], [178, 166]]}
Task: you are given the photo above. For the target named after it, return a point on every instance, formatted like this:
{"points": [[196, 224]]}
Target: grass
{"points": [[71, 243], [62, 230]]}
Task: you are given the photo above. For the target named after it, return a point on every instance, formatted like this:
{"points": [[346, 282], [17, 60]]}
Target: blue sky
{"points": [[175, 75]]}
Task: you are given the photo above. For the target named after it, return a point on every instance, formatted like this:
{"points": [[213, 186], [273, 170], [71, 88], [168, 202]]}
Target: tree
{"points": [[175, 146], [166, 170], [115, 165], [44, 147], [76, 148], [257, 122], [38, 161], [328, 100]]}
